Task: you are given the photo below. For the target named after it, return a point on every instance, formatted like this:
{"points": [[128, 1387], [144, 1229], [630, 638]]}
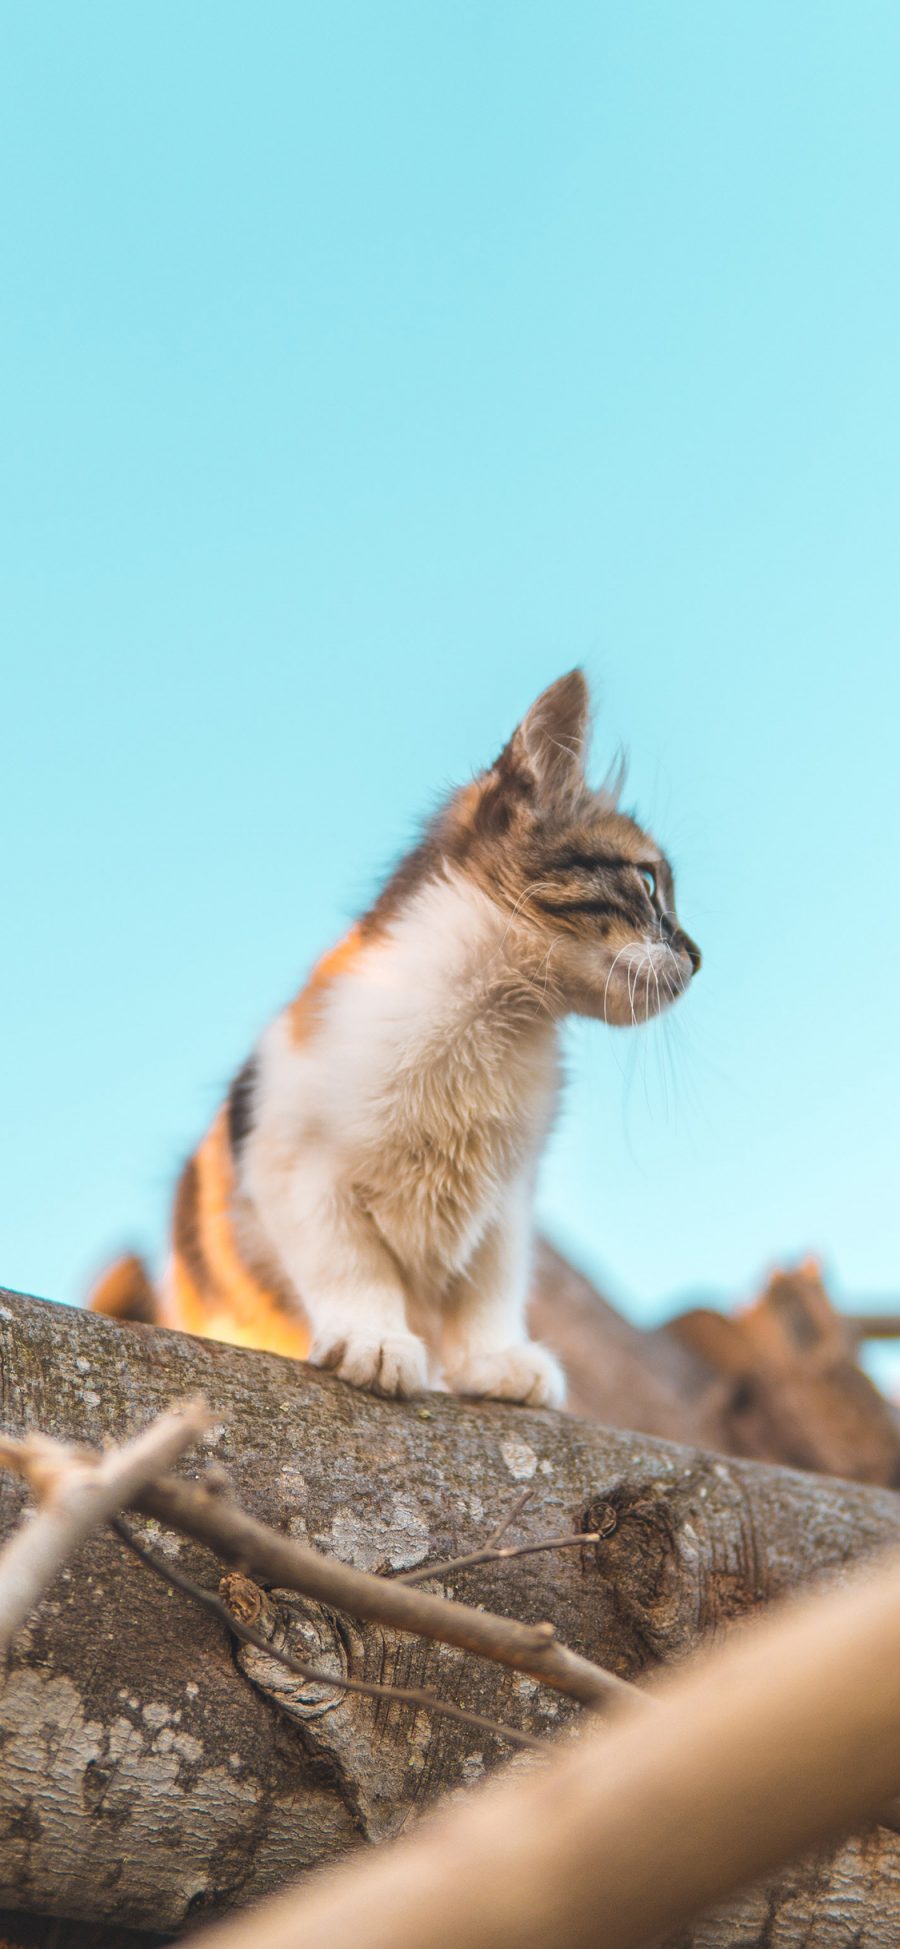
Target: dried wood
{"points": [[778, 1381], [153, 1775], [76, 1494], [629, 1832], [797, 1393]]}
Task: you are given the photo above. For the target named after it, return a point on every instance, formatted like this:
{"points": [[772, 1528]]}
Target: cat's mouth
{"points": [[644, 979]]}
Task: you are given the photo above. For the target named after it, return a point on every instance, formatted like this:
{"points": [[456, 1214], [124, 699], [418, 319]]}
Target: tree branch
{"points": [[425, 1572], [390, 1694], [262, 1552], [151, 1778], [872, 1326], [636, 1828], [78, 1490], [507, 1521]]}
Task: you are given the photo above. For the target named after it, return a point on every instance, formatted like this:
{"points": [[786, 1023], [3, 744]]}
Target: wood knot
{"points": [[599, 1518], [304, 1630], [244, 1599]]}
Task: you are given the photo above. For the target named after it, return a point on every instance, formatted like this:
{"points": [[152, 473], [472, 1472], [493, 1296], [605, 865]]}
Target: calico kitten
{"points": [[364, 1196]]}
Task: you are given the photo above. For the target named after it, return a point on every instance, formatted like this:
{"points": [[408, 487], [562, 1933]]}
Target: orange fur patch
{"points": [[240, 1309], [270, 1331], [304, 1009]]}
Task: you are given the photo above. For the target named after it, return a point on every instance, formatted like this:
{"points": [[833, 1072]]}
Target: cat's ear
{"points": [[550, 744]]}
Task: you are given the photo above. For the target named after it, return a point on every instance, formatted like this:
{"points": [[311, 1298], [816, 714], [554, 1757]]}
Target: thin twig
{"points": [[282, 1560], [391, 1694], [508, 1520], [439, 1570], [873, 1326], [78, 1490]]}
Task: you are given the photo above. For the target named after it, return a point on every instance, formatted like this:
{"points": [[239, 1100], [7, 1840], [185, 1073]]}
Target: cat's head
{"points": [[589, 893]]}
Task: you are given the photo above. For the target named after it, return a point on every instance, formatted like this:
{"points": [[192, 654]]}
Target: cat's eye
{"points": [[649, 878]]}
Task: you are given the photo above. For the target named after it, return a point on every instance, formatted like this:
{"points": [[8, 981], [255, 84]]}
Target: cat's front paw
{"points": [[382, 1363], [528, 1372]]}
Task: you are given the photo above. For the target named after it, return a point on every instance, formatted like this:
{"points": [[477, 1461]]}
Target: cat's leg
{"points": [[486, 1346], [348, 1285]]}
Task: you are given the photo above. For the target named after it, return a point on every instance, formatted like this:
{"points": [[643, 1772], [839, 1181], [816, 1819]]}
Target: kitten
{"points": [[364, 1197]]}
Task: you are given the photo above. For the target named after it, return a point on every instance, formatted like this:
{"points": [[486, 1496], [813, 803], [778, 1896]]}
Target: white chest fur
{"points": [[430, 1082]]}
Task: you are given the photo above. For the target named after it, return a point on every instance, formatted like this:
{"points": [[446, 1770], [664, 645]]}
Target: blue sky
{"points": [[364, 367]]}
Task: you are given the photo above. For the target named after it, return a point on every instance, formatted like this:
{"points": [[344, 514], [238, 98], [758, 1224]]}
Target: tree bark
{"points": [[152, 1775], [778, 1381]]}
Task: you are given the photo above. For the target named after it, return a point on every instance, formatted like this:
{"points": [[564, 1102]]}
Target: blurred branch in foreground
{"points": [[785, 1737]]}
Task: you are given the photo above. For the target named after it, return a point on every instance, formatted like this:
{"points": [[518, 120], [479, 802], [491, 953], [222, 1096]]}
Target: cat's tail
{"points": [[126, 1292]]}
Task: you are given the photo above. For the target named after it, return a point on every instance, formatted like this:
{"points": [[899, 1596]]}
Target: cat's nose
{"points": [[681, 942]]}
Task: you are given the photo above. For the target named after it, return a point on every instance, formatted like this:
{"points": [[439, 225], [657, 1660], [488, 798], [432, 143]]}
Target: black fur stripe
{"points": [[186, 1229], [242, 1105], [595, 903], [575, 861]]}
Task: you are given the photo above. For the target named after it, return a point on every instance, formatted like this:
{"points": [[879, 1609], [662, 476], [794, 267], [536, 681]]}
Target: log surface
{"points": [[151, 1775]]}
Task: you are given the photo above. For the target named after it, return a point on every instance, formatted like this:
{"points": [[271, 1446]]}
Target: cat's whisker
{"points": [[658, 996], [531, 984], [665, 977], [632, 986], [651, 976], [639, 969], [637, 977], [550, 952], [663, 1046], [617, 958], [643, 976], [536, 886]]}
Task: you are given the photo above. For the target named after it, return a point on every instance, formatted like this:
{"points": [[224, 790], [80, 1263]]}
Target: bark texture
{"points": [[151, 1776]]}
